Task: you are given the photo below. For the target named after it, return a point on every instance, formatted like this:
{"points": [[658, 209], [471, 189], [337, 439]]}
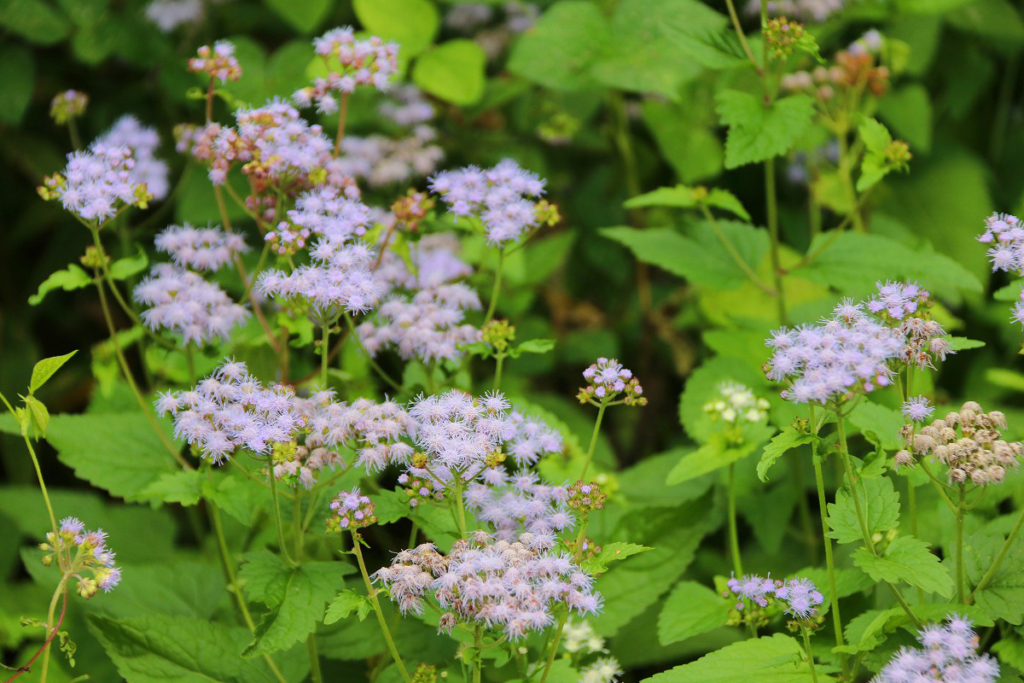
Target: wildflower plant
{"points": [[336, 292]]}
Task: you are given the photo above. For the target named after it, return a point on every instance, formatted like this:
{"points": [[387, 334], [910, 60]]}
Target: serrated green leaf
{"points": [[118, 452], [17, 79], [879, 502], [532, 346], [183, 487], [130, 265], [684, 197], [452, 71], [690, 610], [768, 659], [786, 440], [727, 201], [296, 598], [612, 552], [758, 133], [560, 48], [44, 370], [907, 560], [163, 649], [881, 422], [876, 137], [964, 344], [410, 23], [345, 604], [304, 15], [1003, 596], [72, 277], [699, 257], [716, 454]]}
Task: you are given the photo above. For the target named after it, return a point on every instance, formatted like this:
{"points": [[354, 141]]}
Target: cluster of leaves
{"points": [[652, 125]]}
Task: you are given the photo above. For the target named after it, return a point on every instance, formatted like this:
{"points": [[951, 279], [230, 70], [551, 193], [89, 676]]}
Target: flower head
{"points": [[917, 409], [77, 551], [97, 184], [352, 510], [200, 248], [218, 61], [143, 141], [948, 652], [607, 380], [183, 302], [350, 63], [68, 105]]}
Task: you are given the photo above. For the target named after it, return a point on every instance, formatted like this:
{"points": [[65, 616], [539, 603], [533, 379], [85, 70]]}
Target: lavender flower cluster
{"points": [[96, 184], [948, 652], [500, 197], [847, 353], [1006, 232], [200, 248], [350, 63], [798, 597], [352, 510], [522, 504], [325, 212], [513, 586], [85, 551], [183, 302], [143, 142], [606, 380]]}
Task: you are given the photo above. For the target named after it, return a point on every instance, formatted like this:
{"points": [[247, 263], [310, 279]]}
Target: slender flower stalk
{"points": [[372, 594]]}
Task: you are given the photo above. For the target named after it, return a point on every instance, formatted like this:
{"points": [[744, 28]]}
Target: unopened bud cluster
{"points": [[737, 404], [352, 510], [782, 36], [585, 497], [607, 379], [68, 105], [411, 209], [854, 69], [498, 333], [218, 61], [420, 489], [967, 442], [77, 551]]}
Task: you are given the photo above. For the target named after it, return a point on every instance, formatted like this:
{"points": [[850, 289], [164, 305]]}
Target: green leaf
{"points": [[452, 71], [296, 598], [35, 20], [532, 346], [158, 648], [644, 485], [700, 258], [685, 139], [612, 552], [1003, 596], [964, 344], [410, 23], [40, 416], [909, 111], [690, 610], [768, 659], [647, 54], [124, 268], [853, 262], [72, 277], [345, 604], [118, 452], [558, 51], [714, 455], [45, 368], [17, 78], [183, 487], [879, 424], [907, 560], [685, 197], [758, 133], [303, 15], [879, 502], [786, 440], [876, 137]]}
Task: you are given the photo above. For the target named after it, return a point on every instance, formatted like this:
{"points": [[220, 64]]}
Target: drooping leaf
{"points": [[345, 604], [128, 266], [716, 454], [786, 440], [72, 277], [612, 552], [907, 560]]}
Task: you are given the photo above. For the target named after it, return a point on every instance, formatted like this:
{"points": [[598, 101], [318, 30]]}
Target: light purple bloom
{"points": [[183, 302], [917, 409], [949, 652], [200, 248]]}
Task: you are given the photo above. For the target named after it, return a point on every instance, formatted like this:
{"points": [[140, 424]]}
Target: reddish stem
{"points": [[42, 648]]}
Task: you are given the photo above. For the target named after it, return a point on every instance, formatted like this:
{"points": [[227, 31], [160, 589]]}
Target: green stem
{"points": [[912, 505], [496, 290], [810, 657], [554, 647], [324, 353], [126, 371], [50, 626], [39, 476], [499, 360], [773, 231], [844, 454], [593, 438], [372, 593], [734, 537], [845, 175], [478, 663], [190, 361], [837, 621], [743, 38], [991, 572], [960, 511], [76, 140], [733, 253], [277, 515], [459, 505], [805, 512], [373, 364], [314, 659]]}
